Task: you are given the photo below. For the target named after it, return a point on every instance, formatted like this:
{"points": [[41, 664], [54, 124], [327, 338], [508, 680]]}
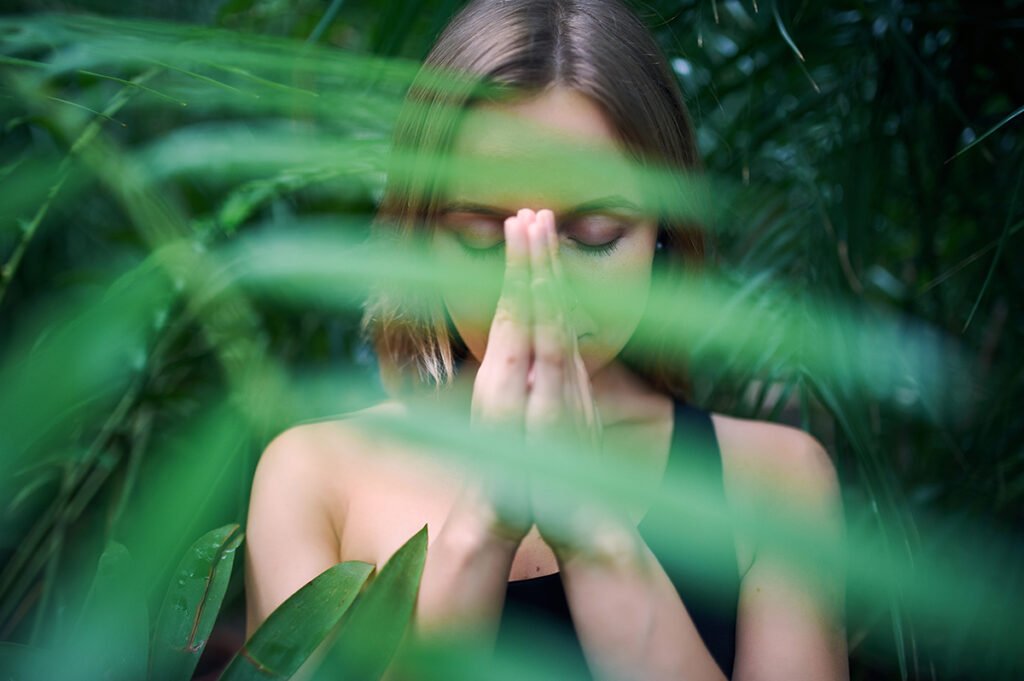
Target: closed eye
{"points": [[478, 235], [481, 236], [477, 251], [596, 249], [595, 234]]}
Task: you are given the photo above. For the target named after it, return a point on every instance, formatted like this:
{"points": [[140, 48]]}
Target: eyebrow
{"points": [[593, 206]]}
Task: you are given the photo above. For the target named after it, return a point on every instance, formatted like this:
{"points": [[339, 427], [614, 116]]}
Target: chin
{"points": [[595, 358]]}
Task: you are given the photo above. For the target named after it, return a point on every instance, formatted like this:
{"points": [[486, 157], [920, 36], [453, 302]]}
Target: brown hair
{"points": [[598, 48]]}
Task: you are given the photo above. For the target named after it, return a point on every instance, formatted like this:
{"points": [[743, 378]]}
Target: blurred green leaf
{"points": [[988, 133], [24, 663], [111, 637]]}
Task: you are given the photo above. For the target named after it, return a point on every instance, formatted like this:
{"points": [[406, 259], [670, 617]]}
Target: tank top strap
{"points": [[698, 557], [693, 449], [694, 444]]}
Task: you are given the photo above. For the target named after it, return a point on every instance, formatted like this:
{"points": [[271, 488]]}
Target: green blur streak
{"points": [[111, 637]]}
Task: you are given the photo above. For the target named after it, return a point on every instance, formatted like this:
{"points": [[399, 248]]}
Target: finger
{"points": [[510, 326], [506, 359], [574, 380], [577, 377], [526, 216], [546, 399]]}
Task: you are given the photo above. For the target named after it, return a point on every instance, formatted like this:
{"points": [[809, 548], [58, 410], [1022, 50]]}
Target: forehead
{"points": [[553, 150]]}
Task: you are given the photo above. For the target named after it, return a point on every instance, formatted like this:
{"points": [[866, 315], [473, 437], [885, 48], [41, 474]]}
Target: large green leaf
{"points": [[22, 663], [371, 634], [294, 630], [191, 604], [110, 639]]}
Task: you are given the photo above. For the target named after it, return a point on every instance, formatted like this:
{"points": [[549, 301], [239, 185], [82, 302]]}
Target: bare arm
{"points": [[290, 539], [289, 535], [629, 617], [790, 614], [466, 572], [791, 609]]}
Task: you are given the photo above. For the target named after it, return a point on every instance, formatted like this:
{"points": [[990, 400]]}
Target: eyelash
{"points": [[481, 252], [588, 249], [599, 249]]}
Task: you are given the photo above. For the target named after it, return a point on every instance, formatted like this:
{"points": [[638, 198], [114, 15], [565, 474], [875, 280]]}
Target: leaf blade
{"points": [[293, 631], [191, 604], [374, 629]]}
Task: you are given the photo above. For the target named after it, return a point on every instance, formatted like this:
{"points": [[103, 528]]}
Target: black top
{"points": [[710, 599]]}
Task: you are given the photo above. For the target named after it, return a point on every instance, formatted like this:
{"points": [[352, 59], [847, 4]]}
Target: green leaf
{"points": [[999, 250], [371, 634], [294, 630], [23, 663], [110, 639], [785, 33], [979, 140], [191, 604]]}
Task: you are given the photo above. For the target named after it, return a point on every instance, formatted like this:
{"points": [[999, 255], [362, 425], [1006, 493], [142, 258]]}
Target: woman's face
{"points": [[606, 243]]}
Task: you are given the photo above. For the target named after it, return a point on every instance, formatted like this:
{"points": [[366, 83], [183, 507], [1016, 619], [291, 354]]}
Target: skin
{"points": [[543, 364], [560, 117]]}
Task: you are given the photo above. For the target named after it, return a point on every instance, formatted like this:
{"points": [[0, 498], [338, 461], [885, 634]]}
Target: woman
{"points": [[534, 352]]}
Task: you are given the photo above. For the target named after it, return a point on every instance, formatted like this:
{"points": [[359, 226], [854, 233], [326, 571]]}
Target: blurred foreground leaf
{"points": [[110, 640], [294, 630], [21, 662]]}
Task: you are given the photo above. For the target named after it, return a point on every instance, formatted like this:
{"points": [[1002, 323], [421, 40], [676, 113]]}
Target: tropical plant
{"points": [[185, 200]]}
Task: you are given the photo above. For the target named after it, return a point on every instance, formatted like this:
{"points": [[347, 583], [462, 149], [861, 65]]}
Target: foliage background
{"points": [[878, 161]]}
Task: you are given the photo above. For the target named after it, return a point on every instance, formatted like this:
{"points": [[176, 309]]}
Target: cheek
{"points": [[612, 293], [470, 290]]}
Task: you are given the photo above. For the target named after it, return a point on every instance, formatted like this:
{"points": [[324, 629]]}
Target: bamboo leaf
{"points": [[191, 604], [991, 130], [371, 634], [294, 630]]}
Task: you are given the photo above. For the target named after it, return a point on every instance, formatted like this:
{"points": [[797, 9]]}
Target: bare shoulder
{"points": [[298, 501], [770, 470], [318, 454], [775, 458], [355, 483]]}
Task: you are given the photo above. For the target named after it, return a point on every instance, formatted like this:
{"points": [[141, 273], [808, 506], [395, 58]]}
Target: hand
{"points": [[560, 406], [500, 389], [560, 399]]}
